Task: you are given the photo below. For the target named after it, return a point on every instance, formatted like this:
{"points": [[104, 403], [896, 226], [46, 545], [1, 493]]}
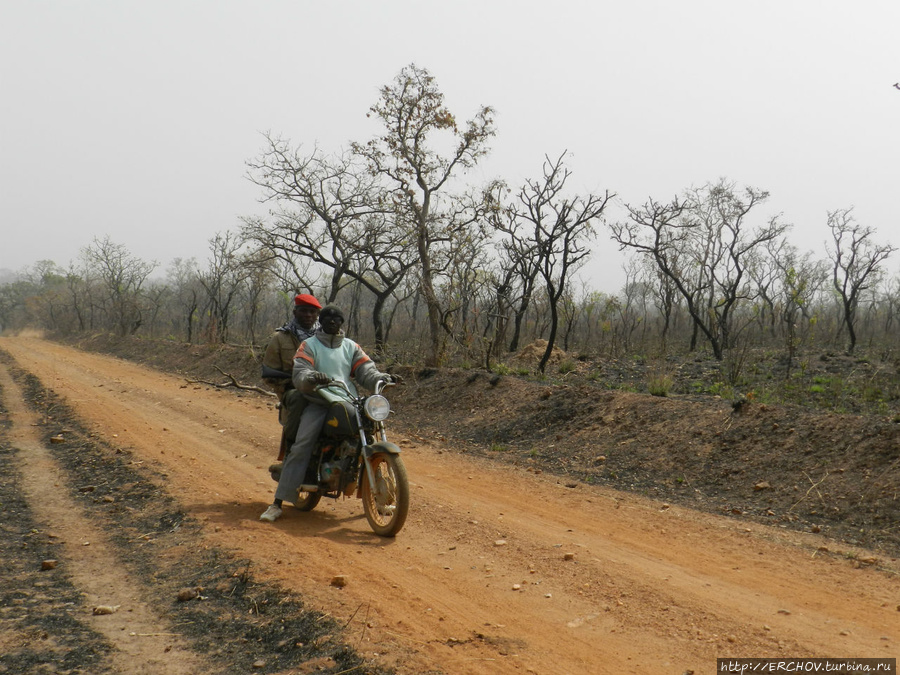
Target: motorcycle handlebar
{"points": [[380, 386], [332, 383], [383, 384]]}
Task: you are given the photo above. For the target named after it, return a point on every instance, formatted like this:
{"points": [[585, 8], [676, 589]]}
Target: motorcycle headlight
{"points": [[377, 408]]}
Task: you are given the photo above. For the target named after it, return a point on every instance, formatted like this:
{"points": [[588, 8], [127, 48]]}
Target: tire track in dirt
{"points": [[137, 632]]}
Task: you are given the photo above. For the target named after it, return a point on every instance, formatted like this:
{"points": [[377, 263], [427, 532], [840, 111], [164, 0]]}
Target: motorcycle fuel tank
{"points": [[340, 421]]}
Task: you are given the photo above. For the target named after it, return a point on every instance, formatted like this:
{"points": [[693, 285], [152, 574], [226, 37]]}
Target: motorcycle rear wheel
{"points": [[307, 501], [387, 502]]}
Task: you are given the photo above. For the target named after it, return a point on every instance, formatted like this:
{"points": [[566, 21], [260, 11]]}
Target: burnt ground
{"points": [[814, 449]]}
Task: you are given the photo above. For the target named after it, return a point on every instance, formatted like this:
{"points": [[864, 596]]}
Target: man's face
{"points": [[331, 323], [306, 315]]}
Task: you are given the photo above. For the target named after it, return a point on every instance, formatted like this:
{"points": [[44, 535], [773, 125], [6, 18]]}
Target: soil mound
{"points": [[534, 352]]}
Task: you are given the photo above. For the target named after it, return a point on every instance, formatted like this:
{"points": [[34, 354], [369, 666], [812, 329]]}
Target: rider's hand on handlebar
{"points": [[394, 379], [320, 378]]}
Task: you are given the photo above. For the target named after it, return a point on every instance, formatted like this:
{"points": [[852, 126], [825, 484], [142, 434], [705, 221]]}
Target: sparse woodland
{"points": [[436, 271]]}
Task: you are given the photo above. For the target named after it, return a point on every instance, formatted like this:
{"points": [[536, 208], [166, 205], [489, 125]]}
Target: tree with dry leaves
{"points": [[419, 176]]}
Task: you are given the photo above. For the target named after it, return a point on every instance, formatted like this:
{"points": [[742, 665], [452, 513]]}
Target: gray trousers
{"points": [[293, 404], [295, 464]]}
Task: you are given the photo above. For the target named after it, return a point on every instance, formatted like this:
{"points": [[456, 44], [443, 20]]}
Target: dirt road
{"points": [[498, 570]]}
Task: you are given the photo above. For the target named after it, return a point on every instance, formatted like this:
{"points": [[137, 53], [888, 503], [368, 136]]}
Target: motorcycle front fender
{"points": [[382, 446]]}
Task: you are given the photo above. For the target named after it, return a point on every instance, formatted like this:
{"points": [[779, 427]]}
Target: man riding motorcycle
{"points": [[327, 356]]}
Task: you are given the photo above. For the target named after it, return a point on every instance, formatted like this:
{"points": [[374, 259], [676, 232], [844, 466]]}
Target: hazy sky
{"points": [[135, 119]]}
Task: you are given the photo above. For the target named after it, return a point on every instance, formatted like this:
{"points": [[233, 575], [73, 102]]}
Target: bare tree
{"points": [[891, 300], [58, 311], [415, 121], [471, 296], [765, 271], [317, 198], [385, 262], [497, 317], [634, 300], [797, 281], [334, 213], [702, 245], [122, 277], [158, 295], [518, 266], [13, 297], [856, 266], [664, 294], [256, 284], [187, 291], [79, 299], [222, 280], [554, 229], [37, 297]]}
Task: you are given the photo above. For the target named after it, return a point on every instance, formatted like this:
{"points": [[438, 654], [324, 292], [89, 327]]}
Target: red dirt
{"points": [[499, 569]]}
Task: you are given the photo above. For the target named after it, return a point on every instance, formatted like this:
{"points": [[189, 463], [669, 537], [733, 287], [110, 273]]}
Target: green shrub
{"points": [[660, 385], [873, 393], [719, 389]]}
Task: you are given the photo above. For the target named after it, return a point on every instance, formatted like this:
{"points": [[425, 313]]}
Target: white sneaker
{"points": [[271, 514]]}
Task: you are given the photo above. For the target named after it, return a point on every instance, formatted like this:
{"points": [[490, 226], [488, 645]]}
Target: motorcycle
{"points": [[354, 457]]}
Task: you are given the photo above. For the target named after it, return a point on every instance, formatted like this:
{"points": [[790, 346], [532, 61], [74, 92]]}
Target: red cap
{"points": [[305, 299]]}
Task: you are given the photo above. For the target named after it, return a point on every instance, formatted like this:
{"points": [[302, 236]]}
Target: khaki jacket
{"points": [[280, 356]]}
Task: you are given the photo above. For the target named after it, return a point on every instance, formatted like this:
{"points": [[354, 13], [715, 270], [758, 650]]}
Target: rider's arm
{"points": [[305, 376], [365, 372]]}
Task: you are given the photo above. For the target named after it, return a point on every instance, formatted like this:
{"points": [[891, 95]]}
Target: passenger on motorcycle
{"points": [[329, 355], [278, 365]]}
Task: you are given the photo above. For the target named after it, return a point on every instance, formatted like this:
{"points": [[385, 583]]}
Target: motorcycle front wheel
{"points": [[386, 503]]}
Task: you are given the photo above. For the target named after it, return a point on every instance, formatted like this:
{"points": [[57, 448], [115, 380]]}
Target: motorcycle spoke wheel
{"points": [[387, 502]]}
